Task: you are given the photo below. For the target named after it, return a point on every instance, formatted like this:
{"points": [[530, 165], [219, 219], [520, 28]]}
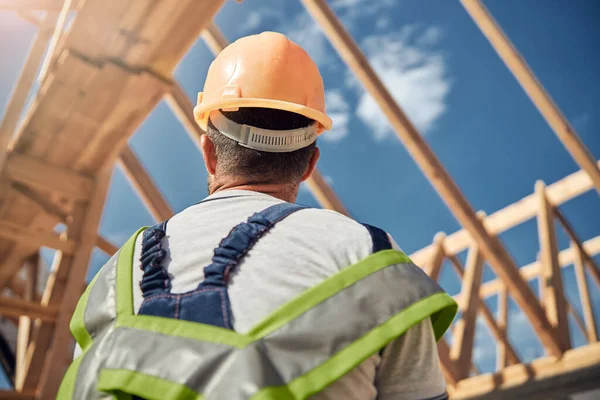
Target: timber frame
{"points": [[56, 165]]}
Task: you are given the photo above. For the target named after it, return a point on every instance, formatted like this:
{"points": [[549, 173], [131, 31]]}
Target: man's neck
{"points": [[285, 192]]}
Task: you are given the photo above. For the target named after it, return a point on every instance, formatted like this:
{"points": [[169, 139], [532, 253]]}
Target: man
{"points": [[247, 295]]}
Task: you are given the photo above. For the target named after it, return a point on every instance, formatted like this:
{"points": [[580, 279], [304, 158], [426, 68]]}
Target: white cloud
{"points": [[339, 111], [356, 8], [328, 179], [431, 36], [416, 78], [382, 22]]}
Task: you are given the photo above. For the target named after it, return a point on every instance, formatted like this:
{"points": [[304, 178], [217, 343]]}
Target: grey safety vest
{"points": [[297, 351]]}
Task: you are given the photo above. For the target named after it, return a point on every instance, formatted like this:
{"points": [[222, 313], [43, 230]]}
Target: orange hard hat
{"points": [[266, 70]]}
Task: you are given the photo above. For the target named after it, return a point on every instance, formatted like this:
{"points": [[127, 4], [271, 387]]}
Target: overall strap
{"points": [[156, 279], [241, 239], [381, 240]]}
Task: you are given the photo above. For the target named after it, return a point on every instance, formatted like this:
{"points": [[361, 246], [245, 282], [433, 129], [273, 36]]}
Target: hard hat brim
{"points": [[202, 111]]}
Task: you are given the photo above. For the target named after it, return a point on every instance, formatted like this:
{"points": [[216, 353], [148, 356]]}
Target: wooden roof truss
{"points": [[103, 65]]}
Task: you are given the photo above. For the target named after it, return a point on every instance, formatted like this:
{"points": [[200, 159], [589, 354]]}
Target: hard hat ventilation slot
{"points": [[274, 141]]}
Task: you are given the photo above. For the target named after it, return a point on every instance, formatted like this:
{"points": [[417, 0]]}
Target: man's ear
{"points": [[312, 164], [209, 154]]}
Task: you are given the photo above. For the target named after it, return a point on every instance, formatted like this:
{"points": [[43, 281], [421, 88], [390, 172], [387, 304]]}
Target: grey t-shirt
{"points": [[298, 253]]}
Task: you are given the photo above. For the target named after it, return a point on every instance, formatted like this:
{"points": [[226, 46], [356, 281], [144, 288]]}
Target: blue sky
{"points": [[451, 83]]}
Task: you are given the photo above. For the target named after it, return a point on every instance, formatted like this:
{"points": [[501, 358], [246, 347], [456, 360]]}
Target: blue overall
{"points": [[209, 302]]}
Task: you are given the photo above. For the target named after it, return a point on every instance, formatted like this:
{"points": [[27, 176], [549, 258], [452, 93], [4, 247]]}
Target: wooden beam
{"points": [[42, 201], [558, 193], [28, 16], [448, 365], [144, 185], [214, 38], [517, 65], [565, 257], [544, 378], [501, 358], [51, 5], [20, 91], [13, 395], [56, 35], [16, 307], [324, 194], [589, 261], [553, 293], [60, 352], [464, 332], [490, 246], [106, 246], [498, 333], [40, 174], [13, 231], [578, 320], [182, 107], [437, 260], [25, 323], [584, 296]]}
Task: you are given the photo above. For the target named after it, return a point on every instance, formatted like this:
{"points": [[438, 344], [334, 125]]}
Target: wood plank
{"points": [[50, 5], [13, 231], [39, 174], [18, 97], [542, 100], [544, 378], [16, 307], [584, 296], [144, 185], [588, 261], [565, 257], [106, 246], [324, 193], [214, 38], [25, 322], [56, 35], [141, 93], [182, 107], [490, 246], [29, 16], [448, 365], [183, 33], [461, 351], [43, 201], [501, 358], [553, 293], [499, 334], [558, 193], [437, 260], [60, 352]]}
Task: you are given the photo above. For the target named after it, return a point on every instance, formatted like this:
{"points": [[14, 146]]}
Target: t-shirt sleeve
{"points": [[410, 367]]}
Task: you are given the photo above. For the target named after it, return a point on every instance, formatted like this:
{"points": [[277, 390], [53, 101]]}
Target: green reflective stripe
{"points": [[185, 329], [351, 356], [125, 277], [192, 330], [146, 386], [77, 324], [67, 386], [317, 294]]}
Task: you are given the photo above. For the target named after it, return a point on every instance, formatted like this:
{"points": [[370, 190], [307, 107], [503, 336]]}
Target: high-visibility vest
{"points": [[298, 350]]}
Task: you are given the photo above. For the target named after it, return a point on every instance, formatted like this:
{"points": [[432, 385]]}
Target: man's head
{"points": [[263, 106], [230, 164]]}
